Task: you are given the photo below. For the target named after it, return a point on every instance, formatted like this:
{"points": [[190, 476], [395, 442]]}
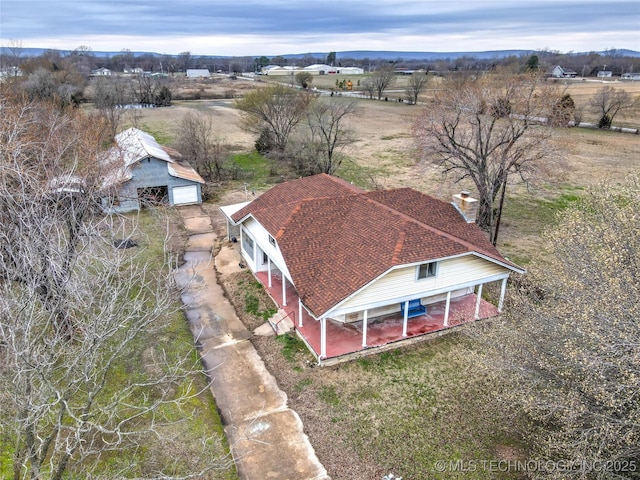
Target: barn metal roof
{"points": [[134, 145]]}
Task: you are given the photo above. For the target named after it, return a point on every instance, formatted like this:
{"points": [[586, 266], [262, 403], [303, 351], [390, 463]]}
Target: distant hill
{"points": [[36, 52], [392, 55], [354, 54]]}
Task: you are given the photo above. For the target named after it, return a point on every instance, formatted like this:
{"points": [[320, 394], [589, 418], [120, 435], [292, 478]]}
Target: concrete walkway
{"points": [[266, 437]]}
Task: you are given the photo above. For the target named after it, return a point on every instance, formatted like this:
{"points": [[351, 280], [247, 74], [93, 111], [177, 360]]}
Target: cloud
{"points": [[205, 26]]}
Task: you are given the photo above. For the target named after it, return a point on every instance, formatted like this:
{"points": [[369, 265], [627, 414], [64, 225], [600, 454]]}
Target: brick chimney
{"points": [[466, 205]]}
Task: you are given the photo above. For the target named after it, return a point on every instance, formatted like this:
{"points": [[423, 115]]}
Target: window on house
{"points": [[427, 270], [247, 245], [272, 240]]}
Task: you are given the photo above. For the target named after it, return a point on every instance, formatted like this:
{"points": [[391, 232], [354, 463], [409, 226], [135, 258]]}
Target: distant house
{"points": [[101, 72], [604, 74], [198, 73], [264, 70], [559, 72], [351, 71], [135, 70], [630, 76], [277, 70], [10, 72], [320, 69], [140, 170], [357, 270]]}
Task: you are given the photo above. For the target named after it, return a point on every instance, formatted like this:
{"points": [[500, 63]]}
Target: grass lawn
{"points": [[402, 411], [196, 426]]}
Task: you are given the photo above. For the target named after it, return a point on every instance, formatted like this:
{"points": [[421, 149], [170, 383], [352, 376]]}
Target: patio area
{"points": [[345, 339]]}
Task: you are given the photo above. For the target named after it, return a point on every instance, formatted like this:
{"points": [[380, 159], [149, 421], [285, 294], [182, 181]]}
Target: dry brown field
{"points": [[382, 153], [383, 143]]}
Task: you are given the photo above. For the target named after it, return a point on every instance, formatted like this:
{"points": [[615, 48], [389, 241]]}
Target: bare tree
{"points": [[184, 61], [328, 133], [566, 353], [368, 87], [304, 79], [150, 91], [83, 59], [110, 95], [276, 109], [41, 84], [14, 52], [73, 307], [198, 145], [418, 81], [381, 79], [608, 102], [488, 130]]}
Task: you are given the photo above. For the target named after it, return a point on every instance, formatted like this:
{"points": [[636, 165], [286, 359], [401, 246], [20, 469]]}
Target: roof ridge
{"points": [[298, 206], [431, 228], [342, 182], [399, 246]]}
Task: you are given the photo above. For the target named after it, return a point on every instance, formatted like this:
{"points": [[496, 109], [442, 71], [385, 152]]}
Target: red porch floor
{"points": [[346, 338]]}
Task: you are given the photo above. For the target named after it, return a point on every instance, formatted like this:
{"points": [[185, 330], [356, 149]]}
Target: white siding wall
{"points": [[402, 281], [261, 239], [395, 307]]}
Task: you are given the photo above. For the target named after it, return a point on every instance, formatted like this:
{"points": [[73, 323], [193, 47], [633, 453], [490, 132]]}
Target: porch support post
{"points": [[406, 317], [254, 257], [478, 300], [228, 231], [503, 290], [446, 310], [269, 271], [364, 329], [323, 337], [299, 312], [284, 291]]}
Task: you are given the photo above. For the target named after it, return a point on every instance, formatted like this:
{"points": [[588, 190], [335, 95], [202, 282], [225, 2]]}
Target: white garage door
{"points": [[182, 195]]}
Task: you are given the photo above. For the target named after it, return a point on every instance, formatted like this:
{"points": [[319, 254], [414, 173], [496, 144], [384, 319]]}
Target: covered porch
{"points": [[331, 341]]}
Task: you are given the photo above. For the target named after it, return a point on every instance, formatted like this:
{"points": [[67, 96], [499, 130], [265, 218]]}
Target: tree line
{"points": [[85, 60]]}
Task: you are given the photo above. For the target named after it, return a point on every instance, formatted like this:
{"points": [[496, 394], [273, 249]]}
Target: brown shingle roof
{"points": [[273, 208], [336, 238]]}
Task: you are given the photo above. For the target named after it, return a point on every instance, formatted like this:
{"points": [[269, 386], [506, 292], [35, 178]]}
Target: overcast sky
{"points": [[273, 27]]}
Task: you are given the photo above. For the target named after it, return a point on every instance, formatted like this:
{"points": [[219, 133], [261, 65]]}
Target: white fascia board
{"points": [[484, 257], [426, 293], [259, 234], [335, 310], [229, 210], [502, 264]]}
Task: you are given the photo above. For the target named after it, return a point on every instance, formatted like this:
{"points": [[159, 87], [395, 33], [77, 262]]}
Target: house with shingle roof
{"points": [[357, 259]]}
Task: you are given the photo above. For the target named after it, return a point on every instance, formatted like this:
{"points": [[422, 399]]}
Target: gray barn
{"points": [[142, 171]]}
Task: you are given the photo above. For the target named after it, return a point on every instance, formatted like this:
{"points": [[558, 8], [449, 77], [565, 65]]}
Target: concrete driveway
{"points": [[266, 437]]}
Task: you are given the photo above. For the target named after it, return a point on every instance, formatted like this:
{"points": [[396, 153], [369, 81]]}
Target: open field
{"points": [[399, 412], [383, 155]]}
